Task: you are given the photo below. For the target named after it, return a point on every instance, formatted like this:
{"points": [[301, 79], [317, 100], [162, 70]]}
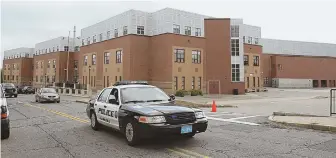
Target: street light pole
{"points": [[67, 69]]}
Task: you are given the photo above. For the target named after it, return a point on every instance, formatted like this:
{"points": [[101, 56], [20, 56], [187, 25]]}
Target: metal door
{"points": [[332, 102]]}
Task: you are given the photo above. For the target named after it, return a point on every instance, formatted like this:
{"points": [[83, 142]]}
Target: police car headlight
{"points": [[199, 114], [152, 119]]}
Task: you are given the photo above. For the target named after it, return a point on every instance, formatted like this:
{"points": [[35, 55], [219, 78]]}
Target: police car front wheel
{"points": [[94, 122], [131, 134]]}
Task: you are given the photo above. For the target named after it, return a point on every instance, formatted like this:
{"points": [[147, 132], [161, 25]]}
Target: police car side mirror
{"points": [[172, 97]]}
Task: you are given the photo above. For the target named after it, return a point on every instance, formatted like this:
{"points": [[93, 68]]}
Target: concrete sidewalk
{"points": [[317, 123]]}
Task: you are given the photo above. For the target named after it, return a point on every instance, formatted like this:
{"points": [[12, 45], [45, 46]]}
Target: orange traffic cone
{"points": [[214, 107]]}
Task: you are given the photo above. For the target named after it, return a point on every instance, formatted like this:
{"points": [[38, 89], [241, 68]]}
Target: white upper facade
{"points": [[273, 46], [56, 45], [143, 23], [18, 53], [251, 34]]}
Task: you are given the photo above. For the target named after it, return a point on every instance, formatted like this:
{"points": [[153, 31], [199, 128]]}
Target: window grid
{"points": [[176, 29], [187, 30], [93, 59], [199, 82], [85, 60], [235, 47], [125, 30], [235, 72], [235, 31], [119, 56], [246, 60], [106, 58], [179, 55], [115, 32], [198, 32], [196, 56], [255, 60], [140, 30]]}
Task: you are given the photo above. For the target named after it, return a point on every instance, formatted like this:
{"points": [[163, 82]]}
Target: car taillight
{"points": [[3, 115]]}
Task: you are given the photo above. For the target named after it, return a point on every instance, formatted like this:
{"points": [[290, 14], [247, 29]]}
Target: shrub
{"points": [[196, 92], [180, 93]]}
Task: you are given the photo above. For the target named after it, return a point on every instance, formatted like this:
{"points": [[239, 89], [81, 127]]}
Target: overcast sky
{"points": [[25, 23]]}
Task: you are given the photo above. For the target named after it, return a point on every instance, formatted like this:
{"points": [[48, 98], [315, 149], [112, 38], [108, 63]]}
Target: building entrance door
{"points": [[213, 87]]}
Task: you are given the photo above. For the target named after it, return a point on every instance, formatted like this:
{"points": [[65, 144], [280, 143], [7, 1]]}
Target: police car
{"points": [[139, 110]]}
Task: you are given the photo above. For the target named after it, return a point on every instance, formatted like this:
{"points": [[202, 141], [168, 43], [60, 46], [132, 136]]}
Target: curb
{"points": [[308, 126], [294, 114], [80, 101]]}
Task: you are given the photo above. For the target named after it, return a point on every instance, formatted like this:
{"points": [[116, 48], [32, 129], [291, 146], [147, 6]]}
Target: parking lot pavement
{"points": [[63, 130]]}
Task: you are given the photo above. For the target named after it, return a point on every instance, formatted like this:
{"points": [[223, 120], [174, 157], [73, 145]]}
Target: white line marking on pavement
{"points": [[20, 102], [233, 121], [237, 118]]}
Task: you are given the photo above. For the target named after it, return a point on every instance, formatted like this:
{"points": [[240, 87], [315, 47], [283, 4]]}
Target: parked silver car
{"points": [[47, 95]]}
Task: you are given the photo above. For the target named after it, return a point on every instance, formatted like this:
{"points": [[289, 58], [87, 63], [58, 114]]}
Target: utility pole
{"points": [[67, 69]]}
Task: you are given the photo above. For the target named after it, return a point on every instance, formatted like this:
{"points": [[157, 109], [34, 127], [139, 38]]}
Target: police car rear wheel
{"points": [[94, 122], [130, 133]]}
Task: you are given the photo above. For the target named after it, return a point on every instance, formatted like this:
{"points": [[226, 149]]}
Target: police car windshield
{"points": [[8, 85], [142, 94]]}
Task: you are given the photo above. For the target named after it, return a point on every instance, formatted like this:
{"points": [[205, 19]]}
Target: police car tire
{"points": [[189, 135], [5, 134], [96, 123], [135, 138]]}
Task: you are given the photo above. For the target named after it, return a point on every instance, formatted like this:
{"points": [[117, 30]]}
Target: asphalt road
{"points": [[62, 130]]}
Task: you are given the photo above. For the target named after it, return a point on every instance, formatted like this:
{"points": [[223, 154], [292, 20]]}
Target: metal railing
{"points": [[332, 102]]}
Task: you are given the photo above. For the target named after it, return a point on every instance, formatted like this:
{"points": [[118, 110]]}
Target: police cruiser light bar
{"points": [[130, 83]]}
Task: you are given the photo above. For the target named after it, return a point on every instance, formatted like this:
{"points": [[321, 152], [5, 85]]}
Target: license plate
{"points": [[186, 129]]}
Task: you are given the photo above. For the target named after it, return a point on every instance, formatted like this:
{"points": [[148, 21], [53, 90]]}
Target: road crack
{"points": [[59, 142]]}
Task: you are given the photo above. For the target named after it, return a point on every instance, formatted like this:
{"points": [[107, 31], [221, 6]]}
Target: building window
{"points": [[41, 64], [119, 78], [249, 41], [256, 40], [48, 79], [176, 29], [17, 78], [108, 35], [234, 47], [106, 58], [49, 62], [187, 30], [258, 82], [66, 48], [93, 59], [125, 30], [140, 30], [255, 60], [49, 50], [100, 37], [198, 32], [175, 83], [119, 56], [254, 82], [108, 81], [179, 55], [53, 78], [57, 48], [94, 39], [235, 72], [54, 63], [88, 40], [41, 78], [36, 78], [234, 30], [53, 49], [183, 83], [116, 78], [193, 83], [243, 39], [83, 42], [266, 80], [196, 56], [85, 60], [246, 60], [199, 82], [115, 32], [76, 48], [248, 82]]}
